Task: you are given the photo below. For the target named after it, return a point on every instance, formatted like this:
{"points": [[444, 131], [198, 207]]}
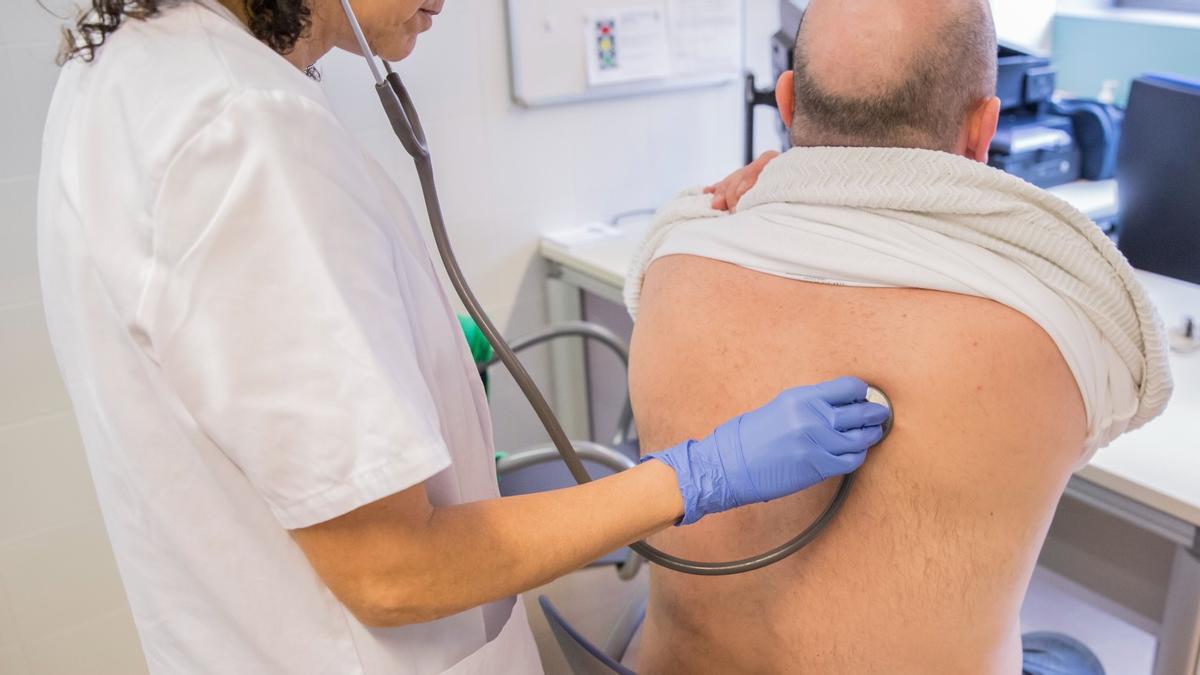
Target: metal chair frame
{"points": [[604, 455]]}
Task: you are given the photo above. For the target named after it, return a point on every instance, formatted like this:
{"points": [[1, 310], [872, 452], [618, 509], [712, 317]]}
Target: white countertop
{"points": [[1158, 465], [605, 260]]}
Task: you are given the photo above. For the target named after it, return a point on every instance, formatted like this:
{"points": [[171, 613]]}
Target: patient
{"points": [[882, 247]]}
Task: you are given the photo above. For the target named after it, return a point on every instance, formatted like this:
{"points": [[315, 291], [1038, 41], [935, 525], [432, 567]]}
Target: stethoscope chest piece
{"points": [[876, 395]]}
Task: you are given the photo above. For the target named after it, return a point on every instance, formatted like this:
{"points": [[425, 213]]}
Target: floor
{"points": [[593, 599], [1057, 604]]}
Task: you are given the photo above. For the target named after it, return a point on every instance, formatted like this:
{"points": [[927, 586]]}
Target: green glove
{"points": [[481, 349]]}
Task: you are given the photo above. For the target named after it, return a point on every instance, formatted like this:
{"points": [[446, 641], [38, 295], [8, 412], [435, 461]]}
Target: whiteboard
{"points": [[552, 56]]}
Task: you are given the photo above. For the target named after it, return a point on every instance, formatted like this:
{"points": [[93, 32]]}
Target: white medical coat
{"points": [[254, 340]]}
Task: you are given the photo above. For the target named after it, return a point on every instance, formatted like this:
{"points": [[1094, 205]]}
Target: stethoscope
{"points": [[406, 124]]}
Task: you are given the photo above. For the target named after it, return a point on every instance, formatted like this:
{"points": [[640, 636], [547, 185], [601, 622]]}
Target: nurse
{"points": [[289, 441]]}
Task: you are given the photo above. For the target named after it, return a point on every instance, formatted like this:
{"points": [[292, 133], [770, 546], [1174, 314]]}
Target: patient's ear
{"points": [[785, 97], [981, 129]]}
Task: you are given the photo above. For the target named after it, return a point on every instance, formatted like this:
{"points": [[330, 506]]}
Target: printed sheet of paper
{"points": [[627, 45], [706, 36]]}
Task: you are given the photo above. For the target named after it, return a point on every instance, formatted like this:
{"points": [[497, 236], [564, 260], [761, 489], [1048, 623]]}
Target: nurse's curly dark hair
{"points": [[277, 23]]}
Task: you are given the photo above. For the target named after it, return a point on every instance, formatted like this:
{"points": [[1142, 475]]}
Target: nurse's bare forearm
{"points": [[527, 541], [400, 561]]}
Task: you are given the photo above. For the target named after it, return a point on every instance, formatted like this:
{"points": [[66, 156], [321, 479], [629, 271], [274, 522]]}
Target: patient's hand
{"points": [[729, 192]]}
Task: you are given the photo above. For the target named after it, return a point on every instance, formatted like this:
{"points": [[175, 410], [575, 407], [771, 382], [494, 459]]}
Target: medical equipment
{"points": [[1033, 141], [402, 115]]}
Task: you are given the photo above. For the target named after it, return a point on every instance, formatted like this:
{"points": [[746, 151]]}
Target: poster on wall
{"points": [[674, 38], [565, 51], [627, 45]]}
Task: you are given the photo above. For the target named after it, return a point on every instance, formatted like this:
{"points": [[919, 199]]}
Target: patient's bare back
{"points": [[925, 568]]}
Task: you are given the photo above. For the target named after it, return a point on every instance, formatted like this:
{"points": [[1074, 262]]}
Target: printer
{"points": [[1032, 142]]}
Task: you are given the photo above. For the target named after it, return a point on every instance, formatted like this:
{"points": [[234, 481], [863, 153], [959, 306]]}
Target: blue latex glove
{"points": [[802, 438]]}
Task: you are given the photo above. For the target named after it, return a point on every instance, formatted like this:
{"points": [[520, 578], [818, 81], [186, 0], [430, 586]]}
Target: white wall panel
{"points": [[18, 241], [31, 386], [60, 578], [44, 478], [1024, 22]]}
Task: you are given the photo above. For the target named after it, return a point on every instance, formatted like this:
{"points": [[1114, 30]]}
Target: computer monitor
{"points": [[1158, 176]]}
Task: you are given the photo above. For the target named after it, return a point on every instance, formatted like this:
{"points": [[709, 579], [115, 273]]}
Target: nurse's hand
{"points": [[730, 191], [802, 438]]}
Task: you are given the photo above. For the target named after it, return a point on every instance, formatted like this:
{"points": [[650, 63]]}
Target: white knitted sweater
{"points": [[924, 219]]}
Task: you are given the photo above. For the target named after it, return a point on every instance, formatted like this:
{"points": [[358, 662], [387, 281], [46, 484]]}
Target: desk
{"points": [[1150, 478]]}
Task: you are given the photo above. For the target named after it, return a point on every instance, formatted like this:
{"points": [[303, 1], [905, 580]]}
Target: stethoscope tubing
{"points": [[406, 124]]}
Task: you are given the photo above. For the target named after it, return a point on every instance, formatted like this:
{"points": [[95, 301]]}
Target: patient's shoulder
{"points": [[958, 364]]}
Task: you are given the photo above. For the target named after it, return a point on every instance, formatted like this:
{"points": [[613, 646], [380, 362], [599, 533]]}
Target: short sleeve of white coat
{"points": [[276, 311]]}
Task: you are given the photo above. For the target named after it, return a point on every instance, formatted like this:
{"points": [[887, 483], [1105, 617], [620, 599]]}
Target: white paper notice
{"points": [[627, 45], [706, 36]]}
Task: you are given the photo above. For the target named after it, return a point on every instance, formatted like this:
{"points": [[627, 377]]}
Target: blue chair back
{"points": [[584, 657]]}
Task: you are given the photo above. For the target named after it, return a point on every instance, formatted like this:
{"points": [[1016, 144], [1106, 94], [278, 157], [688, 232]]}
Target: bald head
{"points": [[883, 73]]}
